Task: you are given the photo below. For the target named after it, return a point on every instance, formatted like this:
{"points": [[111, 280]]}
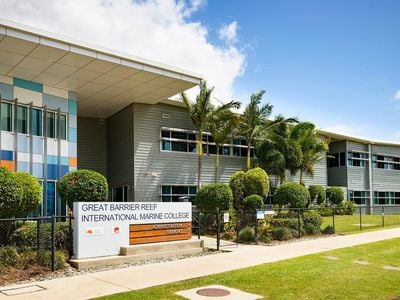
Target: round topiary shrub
{"points": [[236, 185], [212, 196], [253, 202], [82, 185], [293, 194], [282, 234], [311, 229], [312, 217], [317, 193], [247, 234], [31, 193], [335, 195], [255, 181], [11, 193]]}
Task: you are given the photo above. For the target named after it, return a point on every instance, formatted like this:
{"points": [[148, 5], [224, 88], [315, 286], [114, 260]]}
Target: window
{"points": [[51, 124], [386, 162], [179, 140], [333, 160], [387, 198], [119, 194], [63, 127], [22, 119], [357, 159], [6, 116], [359, 197], [178, 193], [37, 122]]}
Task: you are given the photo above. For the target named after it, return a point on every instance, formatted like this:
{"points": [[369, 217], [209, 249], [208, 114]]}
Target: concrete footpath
{"points": [[138, 277]]}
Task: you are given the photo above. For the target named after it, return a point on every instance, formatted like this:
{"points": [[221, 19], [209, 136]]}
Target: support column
{"points": [[370, 178], [15, 134]]}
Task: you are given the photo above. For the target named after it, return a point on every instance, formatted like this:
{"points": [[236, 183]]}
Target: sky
{"points": [[335, 63]]}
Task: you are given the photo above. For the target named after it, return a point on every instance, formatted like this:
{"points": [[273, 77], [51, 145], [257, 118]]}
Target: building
{"points": [[66, 105]]}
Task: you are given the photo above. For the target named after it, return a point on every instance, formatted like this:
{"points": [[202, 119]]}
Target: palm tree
{"points": [[222, 124], [201, 112], [313, 148], [253, 119]]}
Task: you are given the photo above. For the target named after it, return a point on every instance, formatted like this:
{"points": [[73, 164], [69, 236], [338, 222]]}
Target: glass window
{"points": [[166, 146], [37, 122], [51, 124], [342, 158], [178, 193], [63, 127], [51, 198], [165, 133], [179, 146], [6, 116], [22, 119], [179, 135]]}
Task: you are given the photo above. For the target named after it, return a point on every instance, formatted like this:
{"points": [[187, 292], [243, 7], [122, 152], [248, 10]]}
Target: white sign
{"points": [[101, 228], [226, 217], [260, 214], [269, 212]]}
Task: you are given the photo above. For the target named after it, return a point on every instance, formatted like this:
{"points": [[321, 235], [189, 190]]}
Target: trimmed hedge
{"points": [[212, 196], [236, 185], [256, 181], [31, 193], [252, 202], [335, 195], [82, 185], [11, 194], [293, 194], [317, 192]]}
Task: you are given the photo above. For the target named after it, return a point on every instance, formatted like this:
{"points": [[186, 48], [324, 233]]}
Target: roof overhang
{"points": [[342, 137], [105, 80]]}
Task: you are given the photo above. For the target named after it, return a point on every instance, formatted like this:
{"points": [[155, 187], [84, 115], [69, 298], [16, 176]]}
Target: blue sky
{"points": [[332, 62], [335, 63]]}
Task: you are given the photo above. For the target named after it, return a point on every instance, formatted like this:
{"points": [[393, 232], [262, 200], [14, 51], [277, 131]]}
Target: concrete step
{"points": [[161, 247]]}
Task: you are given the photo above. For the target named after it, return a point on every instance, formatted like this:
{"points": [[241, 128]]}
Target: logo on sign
{"points": [[95, 231], [116, 230]]}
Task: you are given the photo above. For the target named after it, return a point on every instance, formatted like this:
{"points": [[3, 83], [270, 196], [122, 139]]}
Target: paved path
{"points": [[133, 278]]}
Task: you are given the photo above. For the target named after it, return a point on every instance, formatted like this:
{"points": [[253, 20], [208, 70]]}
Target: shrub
{"points": [[10, 194], [9, 256], [317, 192], [31, 193], [290, 223], [256, 181], [347, 207], [292, 194], [325, 210], [312, 218], [311, 229], [282, 234], [247, 234], [232, 224], [236, 185], [335, 195], [264, 238], [82, 185], [44, 259], [328, 230], [212, 196], [253, 202], [25, 236]]}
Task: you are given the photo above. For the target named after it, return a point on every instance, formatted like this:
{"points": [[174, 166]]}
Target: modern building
{"points": [[66, 104]]}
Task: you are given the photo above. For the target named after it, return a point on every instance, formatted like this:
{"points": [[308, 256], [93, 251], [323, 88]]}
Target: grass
{"points": [[351, 224], [307, 277]]}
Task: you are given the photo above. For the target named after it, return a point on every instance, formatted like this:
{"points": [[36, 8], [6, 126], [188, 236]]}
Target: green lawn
{"points": [[351, 224], [307, 277]]}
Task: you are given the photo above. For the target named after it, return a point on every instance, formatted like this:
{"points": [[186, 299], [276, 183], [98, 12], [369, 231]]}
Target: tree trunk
{"points": [[248, 160], [301, 177], [216, 164], [199, 159]]}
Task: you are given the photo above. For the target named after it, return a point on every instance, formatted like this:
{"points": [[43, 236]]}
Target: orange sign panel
{"points": [[154, 233]]}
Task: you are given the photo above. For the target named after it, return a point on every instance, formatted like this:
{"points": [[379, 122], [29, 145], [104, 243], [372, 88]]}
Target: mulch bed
{"points": [[13, 275]]}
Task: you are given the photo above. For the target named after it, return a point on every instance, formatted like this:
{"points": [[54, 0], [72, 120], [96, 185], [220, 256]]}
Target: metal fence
{"points": [[334, 219], [38, 234]]}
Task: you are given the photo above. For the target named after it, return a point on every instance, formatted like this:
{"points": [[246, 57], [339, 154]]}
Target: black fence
{"points": [[260, 225], [44, 236]]}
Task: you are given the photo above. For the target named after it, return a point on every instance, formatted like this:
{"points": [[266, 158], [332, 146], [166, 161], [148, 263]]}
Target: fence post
{"points": [[299, 222], [333, 220], [71, 238], [360, 218], [255, 227], [53, 221], [237, 228], [217, 229], [38, 234], [383, 216], [198, 224]]}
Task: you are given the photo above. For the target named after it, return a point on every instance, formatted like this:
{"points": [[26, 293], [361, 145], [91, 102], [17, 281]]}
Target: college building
{"points": [[66, 104]]}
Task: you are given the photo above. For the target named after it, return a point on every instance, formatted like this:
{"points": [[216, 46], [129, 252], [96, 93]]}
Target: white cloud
{"points": [[397, 95], [228, 33], [348, 129], [154, 29]]}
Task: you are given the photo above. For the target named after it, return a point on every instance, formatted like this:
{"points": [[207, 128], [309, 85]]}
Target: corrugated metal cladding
{"points": [[354, 146], [92, 145], [386, 180], [337, 176], [358, 178], [154, 167], [120, 149], [386, 150], [320, 175]]}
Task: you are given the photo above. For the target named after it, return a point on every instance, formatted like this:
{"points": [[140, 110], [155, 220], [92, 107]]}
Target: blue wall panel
{"points": [[7, 155], [54, 102], [29, 85], [23, 166], [6, 91]]}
